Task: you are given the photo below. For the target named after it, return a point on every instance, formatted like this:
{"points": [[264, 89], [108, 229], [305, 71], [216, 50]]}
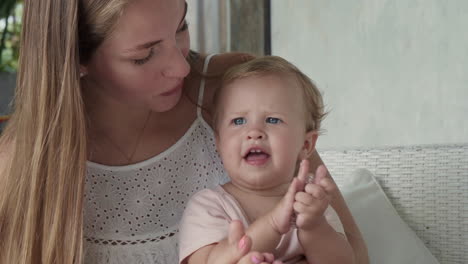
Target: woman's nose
{"points": [[178, 66]]}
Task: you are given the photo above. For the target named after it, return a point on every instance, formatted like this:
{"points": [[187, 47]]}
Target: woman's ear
{"points": [[83, 71], [309, 144]]}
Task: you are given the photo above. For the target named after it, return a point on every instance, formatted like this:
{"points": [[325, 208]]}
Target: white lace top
{"points": [[131, 213]]}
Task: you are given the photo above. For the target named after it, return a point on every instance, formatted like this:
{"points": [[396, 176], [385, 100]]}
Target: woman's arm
{"points": [[322, 244], [351, 229]]}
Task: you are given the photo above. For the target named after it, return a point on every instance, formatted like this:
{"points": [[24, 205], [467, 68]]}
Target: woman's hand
{"points": [[241, 244]]}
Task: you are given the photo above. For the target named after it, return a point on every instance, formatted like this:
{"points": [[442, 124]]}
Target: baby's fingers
{"points": [[307, 215], [329, 185], [303, 174], [317, 191], [320, 174], [305, 198], [292, 190], [323, 178]]}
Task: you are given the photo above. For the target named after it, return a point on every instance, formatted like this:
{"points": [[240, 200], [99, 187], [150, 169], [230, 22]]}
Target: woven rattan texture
{"points": [[428, 186]]}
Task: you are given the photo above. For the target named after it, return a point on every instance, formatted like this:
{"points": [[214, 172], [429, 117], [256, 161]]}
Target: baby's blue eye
{"points": [[239, 121], [273, 120]]}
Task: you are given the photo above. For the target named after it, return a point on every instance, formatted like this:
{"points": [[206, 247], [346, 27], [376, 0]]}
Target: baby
{"points": [[266, 124]]}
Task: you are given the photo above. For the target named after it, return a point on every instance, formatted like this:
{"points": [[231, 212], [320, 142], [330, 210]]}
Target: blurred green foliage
{"points": [[10, 28]]}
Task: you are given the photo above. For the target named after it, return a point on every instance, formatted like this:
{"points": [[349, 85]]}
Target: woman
{"points": [[108, 138]]}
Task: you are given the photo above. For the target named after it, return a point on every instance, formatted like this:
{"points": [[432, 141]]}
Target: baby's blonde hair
{"points": [[274, 65]]}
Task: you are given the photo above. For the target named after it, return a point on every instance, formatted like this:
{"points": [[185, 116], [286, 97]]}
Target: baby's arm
{"points": [[263, 235], [267, 230], [322, 244], [234, 249]]}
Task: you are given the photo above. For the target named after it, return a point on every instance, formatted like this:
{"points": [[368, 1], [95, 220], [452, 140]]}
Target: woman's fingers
{"points": [[243, 244], [238, 240], [259, 258], [236, 231], [269, 257]]}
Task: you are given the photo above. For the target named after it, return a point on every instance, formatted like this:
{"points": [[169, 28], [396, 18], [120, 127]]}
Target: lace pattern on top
{"points": [[113, 242], [131, 213], [162, 252]]}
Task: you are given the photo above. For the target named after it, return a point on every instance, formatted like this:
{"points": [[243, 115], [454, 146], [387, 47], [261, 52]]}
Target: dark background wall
{"points": [[7, 84]]}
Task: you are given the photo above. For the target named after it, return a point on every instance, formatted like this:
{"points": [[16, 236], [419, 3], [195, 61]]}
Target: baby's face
{"points": [[261, 131]]}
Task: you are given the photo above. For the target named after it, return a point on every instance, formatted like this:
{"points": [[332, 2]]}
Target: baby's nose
{"points": [[255, 134]]}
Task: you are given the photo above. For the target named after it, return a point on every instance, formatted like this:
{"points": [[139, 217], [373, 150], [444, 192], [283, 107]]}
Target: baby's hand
{"points": [[313, 198], [281, 216]]}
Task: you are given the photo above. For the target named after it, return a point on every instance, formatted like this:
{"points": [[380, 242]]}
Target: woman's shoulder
{"points": [[219, 63], [217, 66]]}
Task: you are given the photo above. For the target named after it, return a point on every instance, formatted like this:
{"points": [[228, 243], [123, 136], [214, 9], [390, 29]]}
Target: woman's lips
{"points": [[175, 90]]}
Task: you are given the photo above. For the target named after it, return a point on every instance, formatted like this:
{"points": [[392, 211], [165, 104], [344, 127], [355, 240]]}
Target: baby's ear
{"points": [[309, 144]]}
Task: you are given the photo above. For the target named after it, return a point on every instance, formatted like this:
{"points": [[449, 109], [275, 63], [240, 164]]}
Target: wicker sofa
{"points": [[428, 186]]}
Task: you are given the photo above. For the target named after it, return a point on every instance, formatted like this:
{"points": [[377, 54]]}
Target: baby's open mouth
{"points": [[256, 156]]}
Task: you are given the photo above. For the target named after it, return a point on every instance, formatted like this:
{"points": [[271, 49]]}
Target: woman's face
{"points": [[142, 63]]}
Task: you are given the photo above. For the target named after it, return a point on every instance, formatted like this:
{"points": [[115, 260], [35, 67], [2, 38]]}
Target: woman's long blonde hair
{"points": [[41, 198]]}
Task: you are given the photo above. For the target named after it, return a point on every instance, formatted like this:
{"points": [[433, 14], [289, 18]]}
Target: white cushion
{"points": [[389, 239]]}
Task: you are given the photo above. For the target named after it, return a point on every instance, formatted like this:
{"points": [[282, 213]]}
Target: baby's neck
{"points": [[276, 191], [255, 203]]}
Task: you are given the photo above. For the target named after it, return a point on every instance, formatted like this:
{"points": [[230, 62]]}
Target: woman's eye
{"points": [[239, 121], [184, 27], [273, 120], [145, 59]]}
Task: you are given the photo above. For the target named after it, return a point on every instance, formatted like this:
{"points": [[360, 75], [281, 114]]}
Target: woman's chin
{"points": [[167, 103]]}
